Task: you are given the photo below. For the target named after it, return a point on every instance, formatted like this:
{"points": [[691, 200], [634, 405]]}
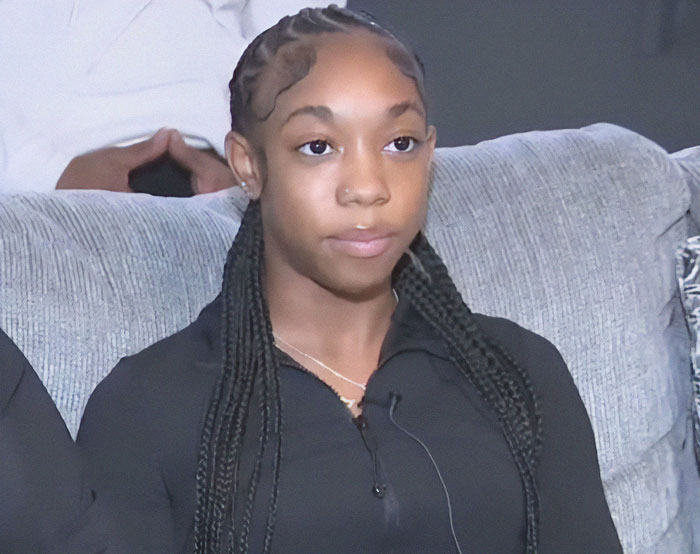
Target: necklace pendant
{"points": [[349, 402]]}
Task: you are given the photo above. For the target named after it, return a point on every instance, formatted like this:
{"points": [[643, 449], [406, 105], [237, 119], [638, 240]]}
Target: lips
{"points": [[362, 243]]}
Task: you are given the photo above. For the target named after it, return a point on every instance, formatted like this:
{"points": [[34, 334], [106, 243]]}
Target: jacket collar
{"points": [[408, 331]]}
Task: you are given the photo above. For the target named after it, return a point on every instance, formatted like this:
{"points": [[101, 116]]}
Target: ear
{"points": [[244, 163]]}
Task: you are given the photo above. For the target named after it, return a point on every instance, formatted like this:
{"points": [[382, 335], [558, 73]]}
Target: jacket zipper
{"points": [[380, 488]]}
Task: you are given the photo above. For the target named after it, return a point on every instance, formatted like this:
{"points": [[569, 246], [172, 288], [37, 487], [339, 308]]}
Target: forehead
{"points": [[333, 68]]}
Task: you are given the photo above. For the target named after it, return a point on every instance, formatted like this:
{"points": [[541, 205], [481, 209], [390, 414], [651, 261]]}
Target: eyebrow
{"points": [[402, 107], [324, 113]]}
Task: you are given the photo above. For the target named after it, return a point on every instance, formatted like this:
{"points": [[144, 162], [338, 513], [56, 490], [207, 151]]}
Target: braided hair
{"points": [[249, 363]]}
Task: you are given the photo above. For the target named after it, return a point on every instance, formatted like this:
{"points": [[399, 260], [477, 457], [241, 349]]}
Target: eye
{"points": [[315, 148], [401, 144]]}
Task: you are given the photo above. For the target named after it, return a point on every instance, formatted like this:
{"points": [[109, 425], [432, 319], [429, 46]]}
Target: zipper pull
{"points": [[378, 487]]}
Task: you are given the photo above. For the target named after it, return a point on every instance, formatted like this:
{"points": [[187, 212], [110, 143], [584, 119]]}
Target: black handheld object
{"points": [[162, 177]]}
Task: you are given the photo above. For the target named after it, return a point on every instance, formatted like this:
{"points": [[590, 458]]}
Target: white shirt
{"points": [[78, 75]]}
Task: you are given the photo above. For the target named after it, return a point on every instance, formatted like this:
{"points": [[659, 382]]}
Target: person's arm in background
{"points": [[62, 77], [23, 147], [121, 458], [45, 505], [109, 168], [63, 113]]}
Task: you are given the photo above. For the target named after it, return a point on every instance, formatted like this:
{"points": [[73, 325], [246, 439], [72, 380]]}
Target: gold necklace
{"points": [[350, 402], [319, 362]]}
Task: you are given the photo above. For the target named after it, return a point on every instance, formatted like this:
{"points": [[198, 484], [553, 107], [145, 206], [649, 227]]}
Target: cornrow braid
{"points": [[248, 362], [308, 22]]}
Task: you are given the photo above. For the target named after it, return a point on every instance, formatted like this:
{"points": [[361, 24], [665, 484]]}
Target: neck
{"points": [[327, 323]]}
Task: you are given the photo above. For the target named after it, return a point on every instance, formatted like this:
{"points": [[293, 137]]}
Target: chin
{"points": [[359, 283]]}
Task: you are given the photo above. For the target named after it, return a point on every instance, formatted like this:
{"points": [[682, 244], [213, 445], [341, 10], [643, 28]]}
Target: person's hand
{"points": [[108, 168], [209, 172]]}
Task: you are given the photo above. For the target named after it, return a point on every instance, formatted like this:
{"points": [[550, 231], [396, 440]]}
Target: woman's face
{"points": [[347, 165]]}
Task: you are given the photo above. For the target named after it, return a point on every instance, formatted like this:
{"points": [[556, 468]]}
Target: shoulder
{"points": [[568, 465], [528, 348], [140, 432], [150, 387], [196, 346], [192, 350], [562, 409], [543, 363]]}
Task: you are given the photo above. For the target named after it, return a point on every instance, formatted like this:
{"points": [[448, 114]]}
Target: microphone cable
{"points": [[394, 399]]}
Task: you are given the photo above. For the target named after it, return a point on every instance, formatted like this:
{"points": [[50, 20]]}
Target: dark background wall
{"points": [[496, 67]]}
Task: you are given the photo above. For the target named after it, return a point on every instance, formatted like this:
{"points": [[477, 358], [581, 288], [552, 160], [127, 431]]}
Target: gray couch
{"points": [[571, 233]]}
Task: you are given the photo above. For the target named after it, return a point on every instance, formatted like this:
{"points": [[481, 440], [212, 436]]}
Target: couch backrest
{"points": [[570, 233], [573, 234], [87, 277]]}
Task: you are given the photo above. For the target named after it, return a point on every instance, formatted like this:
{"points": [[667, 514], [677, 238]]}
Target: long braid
{"points": [[247, 343], [501, 383], [248, 361], [242, 371], [264, 360], [206, 476], [271, 407]]}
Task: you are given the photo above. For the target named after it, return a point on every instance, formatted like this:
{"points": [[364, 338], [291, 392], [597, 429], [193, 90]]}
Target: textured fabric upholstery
{"points": [[570, 233], [87, 277], [688, 273], [689, 162]]}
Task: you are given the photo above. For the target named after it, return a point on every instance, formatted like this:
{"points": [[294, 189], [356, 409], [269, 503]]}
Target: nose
{"points": [[364, 180]]}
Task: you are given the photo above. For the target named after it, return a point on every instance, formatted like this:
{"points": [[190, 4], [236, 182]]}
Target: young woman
{"points": [[338, 396]]}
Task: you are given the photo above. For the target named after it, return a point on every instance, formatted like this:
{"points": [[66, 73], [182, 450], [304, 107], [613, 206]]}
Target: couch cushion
{"points": [[572, 234], [87, 277]]}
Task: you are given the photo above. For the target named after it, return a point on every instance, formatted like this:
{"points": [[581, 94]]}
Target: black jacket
{"points": [[45, 505], [140, 436]]}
